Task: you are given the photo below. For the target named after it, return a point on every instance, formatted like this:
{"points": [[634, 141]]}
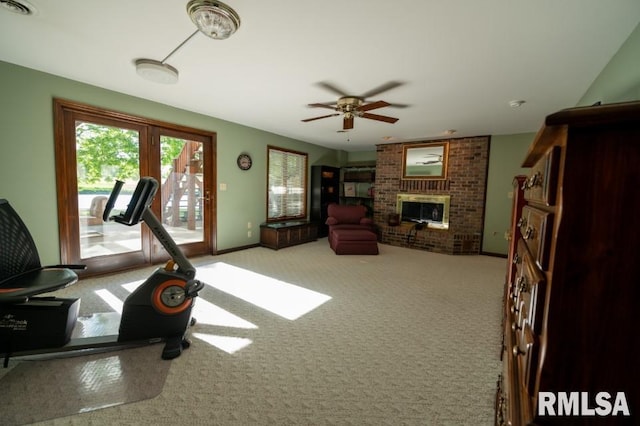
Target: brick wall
{"points": [[465, 183]]}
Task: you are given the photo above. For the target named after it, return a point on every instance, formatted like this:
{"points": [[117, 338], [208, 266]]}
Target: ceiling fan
{"points": [[350, 106]]}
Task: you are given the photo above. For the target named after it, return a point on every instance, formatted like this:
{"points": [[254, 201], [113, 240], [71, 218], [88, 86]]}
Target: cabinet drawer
{"points": [[536, 226], [542, 183], [515, 273], [526, 353], [532, 293], [514, 284]]}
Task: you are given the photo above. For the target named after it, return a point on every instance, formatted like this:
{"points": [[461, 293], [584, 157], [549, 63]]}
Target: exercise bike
{"points": [[159, 310]]}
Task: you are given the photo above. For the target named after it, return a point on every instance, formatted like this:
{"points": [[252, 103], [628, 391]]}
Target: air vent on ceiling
{"points": [[19, 7]]}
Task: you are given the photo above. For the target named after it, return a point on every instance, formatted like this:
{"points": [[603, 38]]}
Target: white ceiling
{"points": [[460, 61]]}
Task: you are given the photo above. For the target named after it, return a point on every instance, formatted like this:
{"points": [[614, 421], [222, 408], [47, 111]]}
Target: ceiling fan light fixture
{"points": [[213, 18], [20, 7], [156, 71]]}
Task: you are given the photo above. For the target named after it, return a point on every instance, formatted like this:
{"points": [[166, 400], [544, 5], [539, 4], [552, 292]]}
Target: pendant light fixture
{"points": [[213, 18], [20, 7]]}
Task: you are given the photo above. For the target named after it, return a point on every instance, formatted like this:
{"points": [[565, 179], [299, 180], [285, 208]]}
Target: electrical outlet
{"points": [[249, 225], [248, 234]]}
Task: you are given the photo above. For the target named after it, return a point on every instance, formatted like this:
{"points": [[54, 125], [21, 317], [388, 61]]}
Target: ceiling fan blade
{"points": [[332, 88], [373, 105], [379, 117], [348, 123], [318, 105], [318, 118], [380, 89]]}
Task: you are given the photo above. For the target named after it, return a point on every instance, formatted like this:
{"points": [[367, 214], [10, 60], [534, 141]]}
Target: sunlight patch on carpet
{"points": [[130, 287], [207, 313], [228, 344], [110, 299], [284, 299]]}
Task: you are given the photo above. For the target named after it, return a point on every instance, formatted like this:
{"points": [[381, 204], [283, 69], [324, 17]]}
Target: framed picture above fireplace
{"points": [[425, 161]]}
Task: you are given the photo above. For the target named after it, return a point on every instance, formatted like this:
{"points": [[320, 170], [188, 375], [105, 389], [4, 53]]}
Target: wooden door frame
{"points": [[66, 113], [189, 249]]}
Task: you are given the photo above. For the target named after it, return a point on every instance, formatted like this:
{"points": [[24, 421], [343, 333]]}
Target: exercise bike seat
{"points": [[20, 288], [21, 274]]}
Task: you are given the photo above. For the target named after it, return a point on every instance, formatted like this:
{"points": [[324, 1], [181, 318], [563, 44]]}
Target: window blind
{"points": [[286, 186]]}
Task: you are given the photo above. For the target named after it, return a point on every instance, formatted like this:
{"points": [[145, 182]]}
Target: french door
{"points": [[94, 147]]}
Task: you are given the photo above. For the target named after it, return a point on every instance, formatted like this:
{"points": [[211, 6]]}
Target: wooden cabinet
{"points": [[325, 189], [572, 292], [285, 234]]}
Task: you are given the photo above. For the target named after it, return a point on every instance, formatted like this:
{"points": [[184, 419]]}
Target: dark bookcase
{"points": [[325, 189]]}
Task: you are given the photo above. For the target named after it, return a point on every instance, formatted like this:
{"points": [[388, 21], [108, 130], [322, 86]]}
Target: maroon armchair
{"points": [[352, 217]]}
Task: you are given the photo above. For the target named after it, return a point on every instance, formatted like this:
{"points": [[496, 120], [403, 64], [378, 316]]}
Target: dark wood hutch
{"points": [[572, 294]]}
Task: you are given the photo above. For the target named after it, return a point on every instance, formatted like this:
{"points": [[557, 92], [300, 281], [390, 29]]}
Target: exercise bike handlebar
{"points": [[112, 200], [139, 210], [161, 234]]}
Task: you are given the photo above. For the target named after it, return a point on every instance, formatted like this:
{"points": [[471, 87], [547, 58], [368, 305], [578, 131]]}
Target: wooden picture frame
{"points": [[425, 161]]}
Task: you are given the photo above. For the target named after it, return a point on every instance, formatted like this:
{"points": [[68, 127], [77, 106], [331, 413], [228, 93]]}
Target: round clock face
{"points": [[244, 161]]}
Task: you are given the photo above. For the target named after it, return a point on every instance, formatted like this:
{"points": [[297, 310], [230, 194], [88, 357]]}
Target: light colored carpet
{"points": [[404, 338]]}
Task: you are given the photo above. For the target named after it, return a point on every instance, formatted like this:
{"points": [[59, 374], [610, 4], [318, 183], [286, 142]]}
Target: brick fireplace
{"points": [[465, 184]]}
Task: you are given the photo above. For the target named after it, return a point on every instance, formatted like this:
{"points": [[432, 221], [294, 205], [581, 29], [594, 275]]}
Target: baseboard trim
{"points": [[488, 253], [230, 250]]}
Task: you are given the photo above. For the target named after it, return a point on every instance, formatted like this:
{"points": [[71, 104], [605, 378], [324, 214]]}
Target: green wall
{"points": [[27, 164], [361, 157], [619, 81], [505, 156]]}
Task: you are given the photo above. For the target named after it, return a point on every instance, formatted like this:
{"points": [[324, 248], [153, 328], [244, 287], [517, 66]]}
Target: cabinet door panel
{"points": [[540, 186], [536, 231]]}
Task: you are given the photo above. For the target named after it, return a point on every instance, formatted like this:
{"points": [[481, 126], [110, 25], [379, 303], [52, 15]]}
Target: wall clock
{"points": [[244, 161]]}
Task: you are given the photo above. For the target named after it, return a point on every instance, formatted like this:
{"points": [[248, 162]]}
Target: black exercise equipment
{"points": [[158, 310]]}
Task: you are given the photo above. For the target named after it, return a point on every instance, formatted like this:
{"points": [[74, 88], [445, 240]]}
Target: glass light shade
{"points": [[20, 7], [214, 19], [156, 71]]}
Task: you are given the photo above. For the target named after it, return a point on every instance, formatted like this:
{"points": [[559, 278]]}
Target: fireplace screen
{"points": [[432, 210]]}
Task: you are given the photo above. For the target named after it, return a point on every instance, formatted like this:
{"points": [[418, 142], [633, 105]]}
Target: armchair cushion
{"points": [[343, 214]]}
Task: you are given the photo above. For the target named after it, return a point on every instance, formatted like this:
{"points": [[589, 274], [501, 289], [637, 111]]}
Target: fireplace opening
{"points": [[429, 210]]}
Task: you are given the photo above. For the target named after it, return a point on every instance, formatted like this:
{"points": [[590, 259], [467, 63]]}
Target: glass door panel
{"points": [[104, 154], [182, 190]]}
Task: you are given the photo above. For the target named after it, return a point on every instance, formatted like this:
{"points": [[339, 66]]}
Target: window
{"points": [[286, 185]]}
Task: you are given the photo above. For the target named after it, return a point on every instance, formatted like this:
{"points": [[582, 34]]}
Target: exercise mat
{"points": [[34, 391]]}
